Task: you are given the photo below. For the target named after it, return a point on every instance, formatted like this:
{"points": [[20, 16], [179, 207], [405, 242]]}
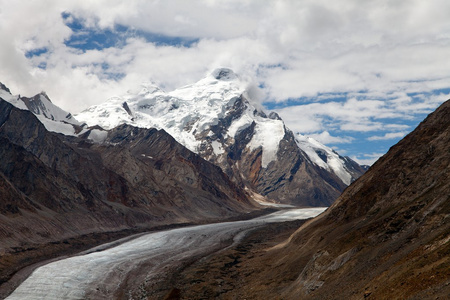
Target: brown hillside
{"points": [[386, 237]]}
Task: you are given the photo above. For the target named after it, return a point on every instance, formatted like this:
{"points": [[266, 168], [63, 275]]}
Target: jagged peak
{"points": [[44, 94], [324, 157], [224, 74], [37, 98], [145, 88], [4, 88], [127, 108], [274, 116]]}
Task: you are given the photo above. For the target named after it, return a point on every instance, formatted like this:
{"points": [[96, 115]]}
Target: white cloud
{"points": [[367, 159], [388, 136], [357, 112], [323, 46], [373, 54], [349, 115], [326, 138]]}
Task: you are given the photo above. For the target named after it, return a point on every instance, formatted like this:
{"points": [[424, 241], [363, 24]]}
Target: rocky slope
{"points": [[386, 237], [54, 187], [217, 119]]}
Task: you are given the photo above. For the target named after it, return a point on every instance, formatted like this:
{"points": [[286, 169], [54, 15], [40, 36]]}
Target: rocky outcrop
{"points": [[4, 88], [385, 237], [162, 154], [289, 177]]}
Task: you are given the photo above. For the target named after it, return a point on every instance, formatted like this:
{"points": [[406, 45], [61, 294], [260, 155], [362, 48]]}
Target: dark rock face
{"points": [[125, 106], [54, 187], [161, 152], [3, 87], [387, 235], [224, 74], [291, 178]]}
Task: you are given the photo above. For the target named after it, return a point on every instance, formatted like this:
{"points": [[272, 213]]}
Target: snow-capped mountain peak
{"points": [[183, 113], [224, 74], [324, 157], [52, 116], [217, 118], [41, 104], [219, 86]]}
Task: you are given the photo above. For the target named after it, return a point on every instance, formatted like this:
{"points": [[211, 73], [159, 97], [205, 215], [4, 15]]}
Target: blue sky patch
{"points": [[335, 97], [90, 38], [383, 131], [35, 52]]}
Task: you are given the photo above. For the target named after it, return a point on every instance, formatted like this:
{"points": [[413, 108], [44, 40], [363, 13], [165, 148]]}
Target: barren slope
{"points": [[386, 237]]}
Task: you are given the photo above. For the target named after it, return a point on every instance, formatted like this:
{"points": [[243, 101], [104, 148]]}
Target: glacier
{"points": [[98, 273]]}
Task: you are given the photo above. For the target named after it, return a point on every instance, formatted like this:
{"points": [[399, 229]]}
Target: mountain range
{"points": [[207, 152], [217, 119]]}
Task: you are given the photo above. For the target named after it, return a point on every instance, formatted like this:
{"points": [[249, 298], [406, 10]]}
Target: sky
{"points": [[355, 75]]}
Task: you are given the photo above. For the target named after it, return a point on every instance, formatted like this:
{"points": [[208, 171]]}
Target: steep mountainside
{"points": [[54, 187], [216, 119], [386, 237]]}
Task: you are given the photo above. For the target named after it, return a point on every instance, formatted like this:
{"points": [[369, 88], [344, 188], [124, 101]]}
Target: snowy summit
{"points": [[183, 113], [221, 99]]}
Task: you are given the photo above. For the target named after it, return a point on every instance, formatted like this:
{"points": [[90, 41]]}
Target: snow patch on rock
{"points": [[268, 134], [98, 136], [240, 124], [14, 100], [217, 148], [58, 127]]}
